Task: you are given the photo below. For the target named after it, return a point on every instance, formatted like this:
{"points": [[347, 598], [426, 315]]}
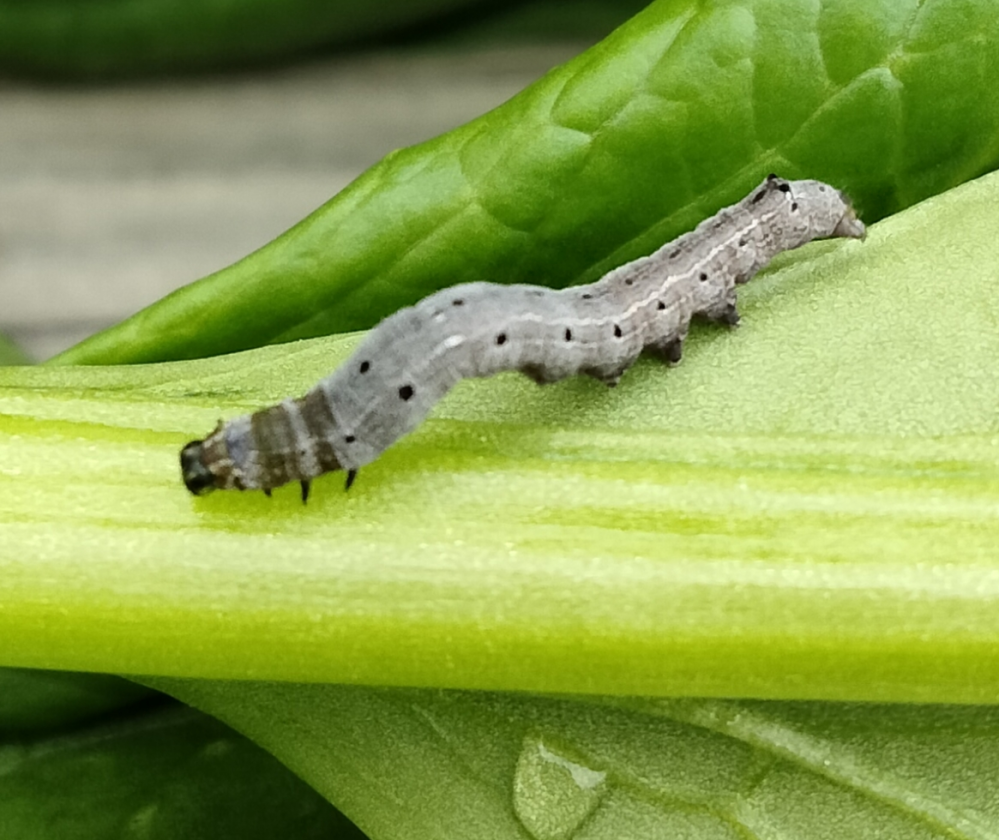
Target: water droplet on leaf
{"points": [[552, 795]]}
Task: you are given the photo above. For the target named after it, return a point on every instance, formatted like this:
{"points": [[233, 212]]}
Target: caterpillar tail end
{"points": [[197, 477]]}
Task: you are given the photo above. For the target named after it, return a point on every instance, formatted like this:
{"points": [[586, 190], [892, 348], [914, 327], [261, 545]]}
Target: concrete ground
{"points": [[111, 197]]}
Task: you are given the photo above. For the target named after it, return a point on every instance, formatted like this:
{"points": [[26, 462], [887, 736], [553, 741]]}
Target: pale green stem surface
{"points": [[806, 507]]}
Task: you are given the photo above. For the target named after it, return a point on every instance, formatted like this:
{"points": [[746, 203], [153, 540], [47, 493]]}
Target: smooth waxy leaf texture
{"points": [[807, 507], [677, 113], [429, 764]]}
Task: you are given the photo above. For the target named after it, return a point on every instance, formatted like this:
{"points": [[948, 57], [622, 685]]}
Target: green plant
{"points": [[68, 38], [805, 509]]}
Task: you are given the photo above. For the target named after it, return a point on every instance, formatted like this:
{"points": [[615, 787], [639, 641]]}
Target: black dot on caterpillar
{"points": [[647, 303]]}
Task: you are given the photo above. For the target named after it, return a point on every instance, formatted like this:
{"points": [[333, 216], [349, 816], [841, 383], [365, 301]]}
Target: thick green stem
{"points": [[807, 507]]}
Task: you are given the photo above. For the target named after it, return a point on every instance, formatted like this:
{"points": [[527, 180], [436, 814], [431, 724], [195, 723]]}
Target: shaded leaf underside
{"points": [[420, 764]]}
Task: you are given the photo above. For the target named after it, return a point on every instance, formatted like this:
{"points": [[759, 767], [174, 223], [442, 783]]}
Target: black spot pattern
{"points": [[409, 347]]}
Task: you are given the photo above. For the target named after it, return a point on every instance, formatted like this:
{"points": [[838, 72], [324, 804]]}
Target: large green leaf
{"points": [[160, 773], [432, 765], [807, 507], [34, 701], [677, 113]]}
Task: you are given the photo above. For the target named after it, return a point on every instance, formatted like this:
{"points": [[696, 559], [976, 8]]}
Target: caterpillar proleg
{"points": [[414, 357]]}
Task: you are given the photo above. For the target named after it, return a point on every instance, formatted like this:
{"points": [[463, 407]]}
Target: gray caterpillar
{"points": [[414, 357]]}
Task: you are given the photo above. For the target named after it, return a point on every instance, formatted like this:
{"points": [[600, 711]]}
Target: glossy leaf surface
{"points": [[677, 113]]}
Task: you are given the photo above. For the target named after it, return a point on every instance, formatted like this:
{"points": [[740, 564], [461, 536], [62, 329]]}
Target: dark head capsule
{"points": [[197, 477]]}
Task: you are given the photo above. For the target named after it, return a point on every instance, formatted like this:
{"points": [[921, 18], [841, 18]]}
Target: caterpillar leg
{"points": [[670, 352], [610, 378], [729, 316], [267, 492], [305, 490], [351, 475], [724, 312], [538, 374]]}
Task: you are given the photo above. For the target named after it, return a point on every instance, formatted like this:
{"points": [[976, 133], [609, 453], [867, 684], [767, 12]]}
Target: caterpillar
{"points": [[414, 357]]}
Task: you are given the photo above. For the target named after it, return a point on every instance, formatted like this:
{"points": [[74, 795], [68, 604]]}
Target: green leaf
{"points": [[807, 507], [78, 38], [10, 353], [680, 111], [415, 765], [31, 700], [579, 21], [160, 774]]}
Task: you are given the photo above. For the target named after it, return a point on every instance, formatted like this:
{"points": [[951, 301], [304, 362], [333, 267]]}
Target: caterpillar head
{"points": [[203, 462], [197, 477]]}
